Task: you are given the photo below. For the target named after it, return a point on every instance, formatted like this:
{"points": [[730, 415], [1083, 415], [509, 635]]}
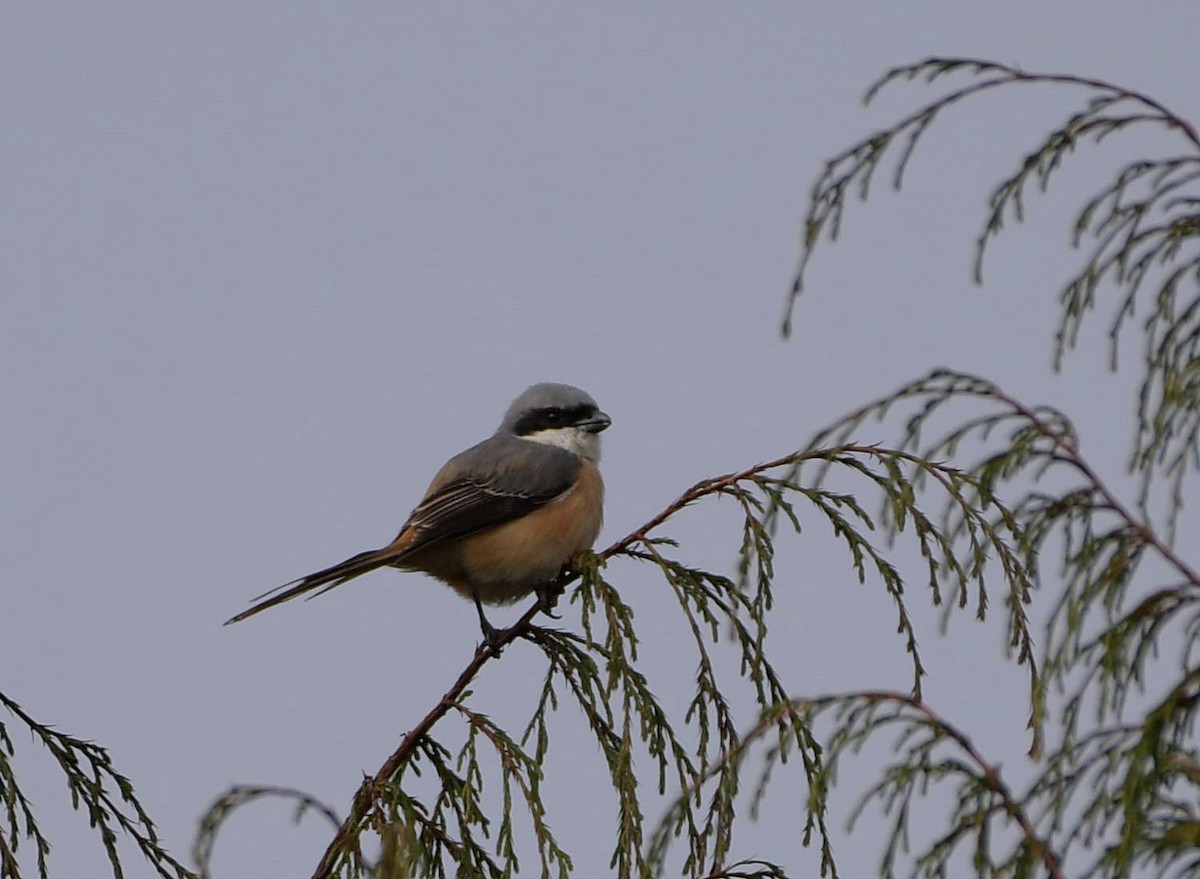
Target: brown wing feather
{"points": [[460, 509]]}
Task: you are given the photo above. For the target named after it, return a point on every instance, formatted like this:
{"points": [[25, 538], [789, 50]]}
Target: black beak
{"points": [[596, 423]]}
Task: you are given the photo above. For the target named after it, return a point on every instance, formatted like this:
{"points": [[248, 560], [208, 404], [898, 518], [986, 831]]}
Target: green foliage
{"points": [[1139, 232], [96, 789], [242, 795], [1116, 791]]}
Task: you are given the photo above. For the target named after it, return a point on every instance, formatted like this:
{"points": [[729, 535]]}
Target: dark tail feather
{"points": [[321, 581]]}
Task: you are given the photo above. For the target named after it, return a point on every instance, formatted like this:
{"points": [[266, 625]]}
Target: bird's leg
{"points": [[491, 635], [549, 592], [548, 595]]}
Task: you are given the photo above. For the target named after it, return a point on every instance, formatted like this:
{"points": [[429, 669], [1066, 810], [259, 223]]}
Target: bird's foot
{"points": [[493, 638], [547, 596]]}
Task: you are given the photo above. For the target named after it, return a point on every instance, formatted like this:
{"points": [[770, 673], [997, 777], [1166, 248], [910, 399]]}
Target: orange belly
{"points": [[503, 564]]}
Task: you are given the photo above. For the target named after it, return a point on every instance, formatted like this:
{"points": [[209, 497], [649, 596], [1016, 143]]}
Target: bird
{"points": [[500, 520]]}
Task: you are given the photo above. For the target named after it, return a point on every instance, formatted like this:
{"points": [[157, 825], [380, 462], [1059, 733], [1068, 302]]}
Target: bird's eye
{"points": [[552, 416]]}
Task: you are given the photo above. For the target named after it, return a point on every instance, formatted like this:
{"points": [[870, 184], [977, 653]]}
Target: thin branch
{"points": [[989, 773], [344, 839], [91, 779], [1069, 453]]}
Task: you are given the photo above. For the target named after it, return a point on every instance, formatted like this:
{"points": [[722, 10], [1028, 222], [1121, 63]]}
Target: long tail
{"points": [[322, 581]]}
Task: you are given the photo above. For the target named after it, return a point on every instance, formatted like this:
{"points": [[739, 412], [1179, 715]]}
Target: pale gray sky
{"points": [[268, 264]]}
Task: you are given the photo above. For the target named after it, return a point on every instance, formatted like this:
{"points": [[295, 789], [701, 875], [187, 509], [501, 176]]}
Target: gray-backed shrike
{"points": [[501, 519]]}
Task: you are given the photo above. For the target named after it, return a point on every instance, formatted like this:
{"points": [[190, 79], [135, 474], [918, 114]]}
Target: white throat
{"points": [[576, 440]]}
